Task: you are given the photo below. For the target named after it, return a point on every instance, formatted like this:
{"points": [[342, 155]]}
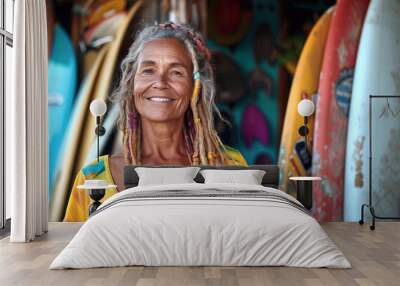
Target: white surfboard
{"points": [[377, 73]]}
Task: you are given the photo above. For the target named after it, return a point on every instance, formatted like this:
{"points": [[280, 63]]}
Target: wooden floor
{"points": [[374, 255]]}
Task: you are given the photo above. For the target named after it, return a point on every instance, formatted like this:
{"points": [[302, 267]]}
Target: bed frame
{"points": [[270, 179]]}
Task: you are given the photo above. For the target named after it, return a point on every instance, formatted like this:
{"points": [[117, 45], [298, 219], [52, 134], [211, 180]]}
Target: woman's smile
{"points": [[160, 99]]}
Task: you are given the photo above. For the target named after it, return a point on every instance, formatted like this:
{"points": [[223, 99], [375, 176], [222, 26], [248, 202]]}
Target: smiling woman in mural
{"points": [[166, 98]]}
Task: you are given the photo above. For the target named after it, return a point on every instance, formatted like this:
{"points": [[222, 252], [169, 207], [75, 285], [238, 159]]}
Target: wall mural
{"points": [[251, 43], [244, 57]]}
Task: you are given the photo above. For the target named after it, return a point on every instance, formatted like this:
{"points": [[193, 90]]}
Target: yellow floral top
{"points": [[79, 200]]}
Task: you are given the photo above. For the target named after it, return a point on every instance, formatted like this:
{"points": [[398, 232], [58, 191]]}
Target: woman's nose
{"points": [[160, 82]]}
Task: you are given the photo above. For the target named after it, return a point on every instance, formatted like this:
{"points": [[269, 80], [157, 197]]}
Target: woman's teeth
{"points": [[160, 99]]}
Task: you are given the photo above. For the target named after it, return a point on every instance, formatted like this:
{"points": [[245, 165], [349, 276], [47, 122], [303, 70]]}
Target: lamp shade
{"points": [[305, 107], [98, 107]]}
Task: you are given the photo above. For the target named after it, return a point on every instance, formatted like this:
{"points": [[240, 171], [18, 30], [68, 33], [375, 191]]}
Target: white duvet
{"points": [[225, 225]]}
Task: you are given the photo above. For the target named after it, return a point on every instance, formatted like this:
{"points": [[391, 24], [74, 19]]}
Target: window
{"points": [[9, 13], [6, 44]]}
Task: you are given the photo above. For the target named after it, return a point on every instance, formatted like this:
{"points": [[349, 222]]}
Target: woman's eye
{"points": [[177, 73], [147, 71]]}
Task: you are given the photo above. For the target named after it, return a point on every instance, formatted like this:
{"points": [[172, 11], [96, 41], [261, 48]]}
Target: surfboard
{"points": [[62, 78], [105, 80], [87, 13], [377, 72], [293, 160], [64, 169], [97, 12], [107, 27], [103, 32], [335, 86]]}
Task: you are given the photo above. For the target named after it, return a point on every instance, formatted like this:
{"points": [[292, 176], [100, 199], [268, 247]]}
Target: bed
{"points": [[201, 224]]}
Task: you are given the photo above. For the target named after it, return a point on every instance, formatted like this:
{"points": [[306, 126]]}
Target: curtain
{"points": [[26, 123]]}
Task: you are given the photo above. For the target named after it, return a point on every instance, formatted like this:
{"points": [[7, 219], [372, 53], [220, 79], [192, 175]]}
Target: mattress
{"points": [[201, 225]]}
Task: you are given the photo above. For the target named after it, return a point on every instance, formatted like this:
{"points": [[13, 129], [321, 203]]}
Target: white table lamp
{"points": [[305, 108]]}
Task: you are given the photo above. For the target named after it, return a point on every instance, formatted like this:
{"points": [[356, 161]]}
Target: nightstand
{"points": [[304, 190]]}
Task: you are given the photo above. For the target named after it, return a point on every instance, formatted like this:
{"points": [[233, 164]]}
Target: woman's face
{"points": [[163, 82]]}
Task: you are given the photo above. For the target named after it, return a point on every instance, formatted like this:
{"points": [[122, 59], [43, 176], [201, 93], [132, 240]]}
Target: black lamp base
{"points": [[304, 193], [96, 195]]}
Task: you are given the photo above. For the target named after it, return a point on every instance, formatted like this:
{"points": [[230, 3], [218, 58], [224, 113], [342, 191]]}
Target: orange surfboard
{"points": [[292, 159]]}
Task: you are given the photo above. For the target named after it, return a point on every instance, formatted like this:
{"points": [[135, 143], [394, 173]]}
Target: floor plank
{"points": [[374, 255]]}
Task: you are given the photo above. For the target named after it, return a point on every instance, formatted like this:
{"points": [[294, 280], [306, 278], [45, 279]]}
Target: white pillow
{"points": [[248, 177], [168, 175]]}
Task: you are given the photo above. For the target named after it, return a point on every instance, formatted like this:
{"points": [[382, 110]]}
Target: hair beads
{"points": [[132, 120]]}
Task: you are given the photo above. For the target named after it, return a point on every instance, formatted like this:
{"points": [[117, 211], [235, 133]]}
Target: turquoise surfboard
{"points": [[62, 79], [377, 72]]}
